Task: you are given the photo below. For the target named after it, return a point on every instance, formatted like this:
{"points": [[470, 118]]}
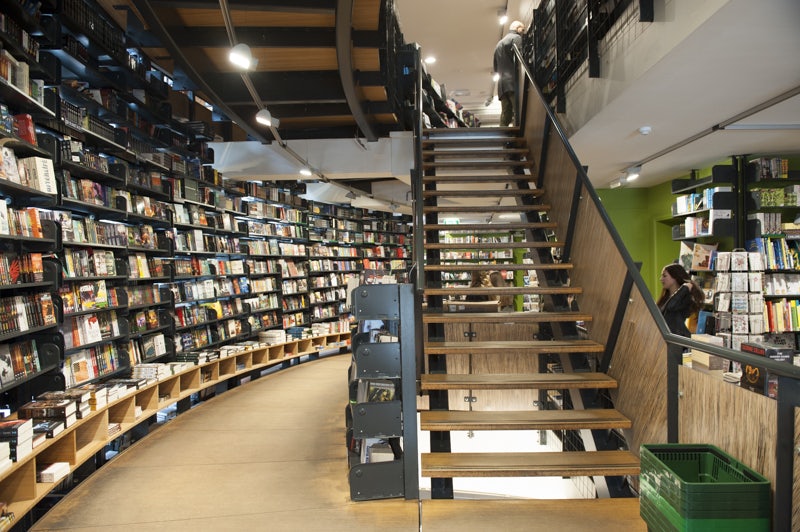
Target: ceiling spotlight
{"points": [[264, 117], [306, 172], [616, 183], [496, 77], [633, 173], [241, 56], [350, 194], [502, 16], [430, 60]]}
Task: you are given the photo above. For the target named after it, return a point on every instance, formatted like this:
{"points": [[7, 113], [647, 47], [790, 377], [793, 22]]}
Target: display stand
{"points": [[383, 422]]}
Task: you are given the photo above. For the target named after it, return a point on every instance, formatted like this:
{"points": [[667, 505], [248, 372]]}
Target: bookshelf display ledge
{"points": [[87, 436]]}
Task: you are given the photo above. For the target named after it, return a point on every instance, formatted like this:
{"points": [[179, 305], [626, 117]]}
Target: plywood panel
{"points": [[796, 481], [366, 59], [278, 59], [250, 18], [366, 14], [639, 366], [739, 422]]}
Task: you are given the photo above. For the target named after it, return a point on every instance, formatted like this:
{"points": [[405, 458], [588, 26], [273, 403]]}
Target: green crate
{"points": [[702, 482], [661, 517]]}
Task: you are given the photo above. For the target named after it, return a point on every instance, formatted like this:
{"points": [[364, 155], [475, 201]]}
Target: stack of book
{"points": [[59, 409], [80, 396], [18, 434], [51, 473]]}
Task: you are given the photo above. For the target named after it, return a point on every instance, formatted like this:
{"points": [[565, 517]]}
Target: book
{"points": [[19, 429], [49, 408], [49, 427], [702, 256]]}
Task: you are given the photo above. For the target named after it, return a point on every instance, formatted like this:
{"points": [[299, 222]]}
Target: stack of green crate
{"points": [[692, 487]]}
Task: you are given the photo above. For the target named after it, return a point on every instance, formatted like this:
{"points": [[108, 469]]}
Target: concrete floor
{"points": [[270, 455]]}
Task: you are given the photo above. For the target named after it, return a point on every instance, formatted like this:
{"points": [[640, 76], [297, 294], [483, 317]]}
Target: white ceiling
{"points": [[698, 65]]}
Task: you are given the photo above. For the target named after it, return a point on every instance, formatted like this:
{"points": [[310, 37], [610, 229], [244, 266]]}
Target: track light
{"points": [[241, 56], [351, 195], [264, 117], [306, 172], [495, 77], [502, 16], [633, 173]]}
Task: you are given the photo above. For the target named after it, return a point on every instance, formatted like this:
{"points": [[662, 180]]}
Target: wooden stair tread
{"points": [[486, 193], [504, 317], [452, 178], [593, 419], [492, 245], [544, 464], [502, 291], [468, 267], [475, 164], [473, 141], [530, 346], [470, 131], [446, 515], [490, 228], [499, 153], [485, 208], [516, 381]]}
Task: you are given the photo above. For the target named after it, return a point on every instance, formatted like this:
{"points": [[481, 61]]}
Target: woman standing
{"points": [[681, 297]]}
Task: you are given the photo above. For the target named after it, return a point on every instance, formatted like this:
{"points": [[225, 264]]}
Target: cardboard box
{"points": [[181, 105], [229, 131], [201, 113]]}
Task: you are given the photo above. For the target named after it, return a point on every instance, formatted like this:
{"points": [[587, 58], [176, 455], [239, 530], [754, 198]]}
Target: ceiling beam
{"points": [[344, 56], [278, 86], [283, 6], [147, 11], [270, 37]]}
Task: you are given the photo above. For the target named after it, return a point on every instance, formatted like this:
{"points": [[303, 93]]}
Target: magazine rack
{"points": [[381, 417]]}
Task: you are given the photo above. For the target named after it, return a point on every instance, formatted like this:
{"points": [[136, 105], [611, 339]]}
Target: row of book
{"points": [[293, 286], [24, 312], [294, 302], [144, 320], [263, 247], [92, 328], [327, 296], [330, 280], [776, 197], [93, 295], [21, 268], [197, 240], [398, 252], [777, 253], [25, 222], [201, 337], [333, 251], [88, 364], [89, 262], [18, 361], [208, 266], [147, 348], [35, 172], [143, 295], [263, 320], [143, 267], [263, 302], [327, 265]]}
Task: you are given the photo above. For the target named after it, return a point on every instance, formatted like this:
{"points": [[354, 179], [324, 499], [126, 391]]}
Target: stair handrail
{"points": [[788, 375]]}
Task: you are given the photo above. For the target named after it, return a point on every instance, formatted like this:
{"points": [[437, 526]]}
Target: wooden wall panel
{"points": [[796, 476], [639, 365], [739, 422]]}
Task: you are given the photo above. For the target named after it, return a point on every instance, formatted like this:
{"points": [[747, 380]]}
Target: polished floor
{"points": [[270, 455]]}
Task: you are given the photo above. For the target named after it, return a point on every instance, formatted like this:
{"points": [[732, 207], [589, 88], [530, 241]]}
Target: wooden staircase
{"points": [[487, 371]]}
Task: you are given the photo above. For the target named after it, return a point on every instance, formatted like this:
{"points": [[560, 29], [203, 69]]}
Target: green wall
{"points": [[635, 213]]}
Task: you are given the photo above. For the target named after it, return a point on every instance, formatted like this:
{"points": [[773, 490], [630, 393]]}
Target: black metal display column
{"points": [[393, 420]]}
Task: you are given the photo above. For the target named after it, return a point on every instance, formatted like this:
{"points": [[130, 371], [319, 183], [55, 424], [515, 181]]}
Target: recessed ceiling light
{"points": [[430, 60]]}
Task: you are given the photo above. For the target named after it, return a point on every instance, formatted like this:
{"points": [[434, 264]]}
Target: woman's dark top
{"points": [[676, 309]]}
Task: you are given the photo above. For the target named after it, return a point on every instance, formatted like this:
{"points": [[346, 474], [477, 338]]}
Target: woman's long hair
{"points": [[682, 277]]}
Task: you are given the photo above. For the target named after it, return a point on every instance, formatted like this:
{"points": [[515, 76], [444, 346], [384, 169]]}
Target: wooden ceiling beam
{"points": [[284, 6]]}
